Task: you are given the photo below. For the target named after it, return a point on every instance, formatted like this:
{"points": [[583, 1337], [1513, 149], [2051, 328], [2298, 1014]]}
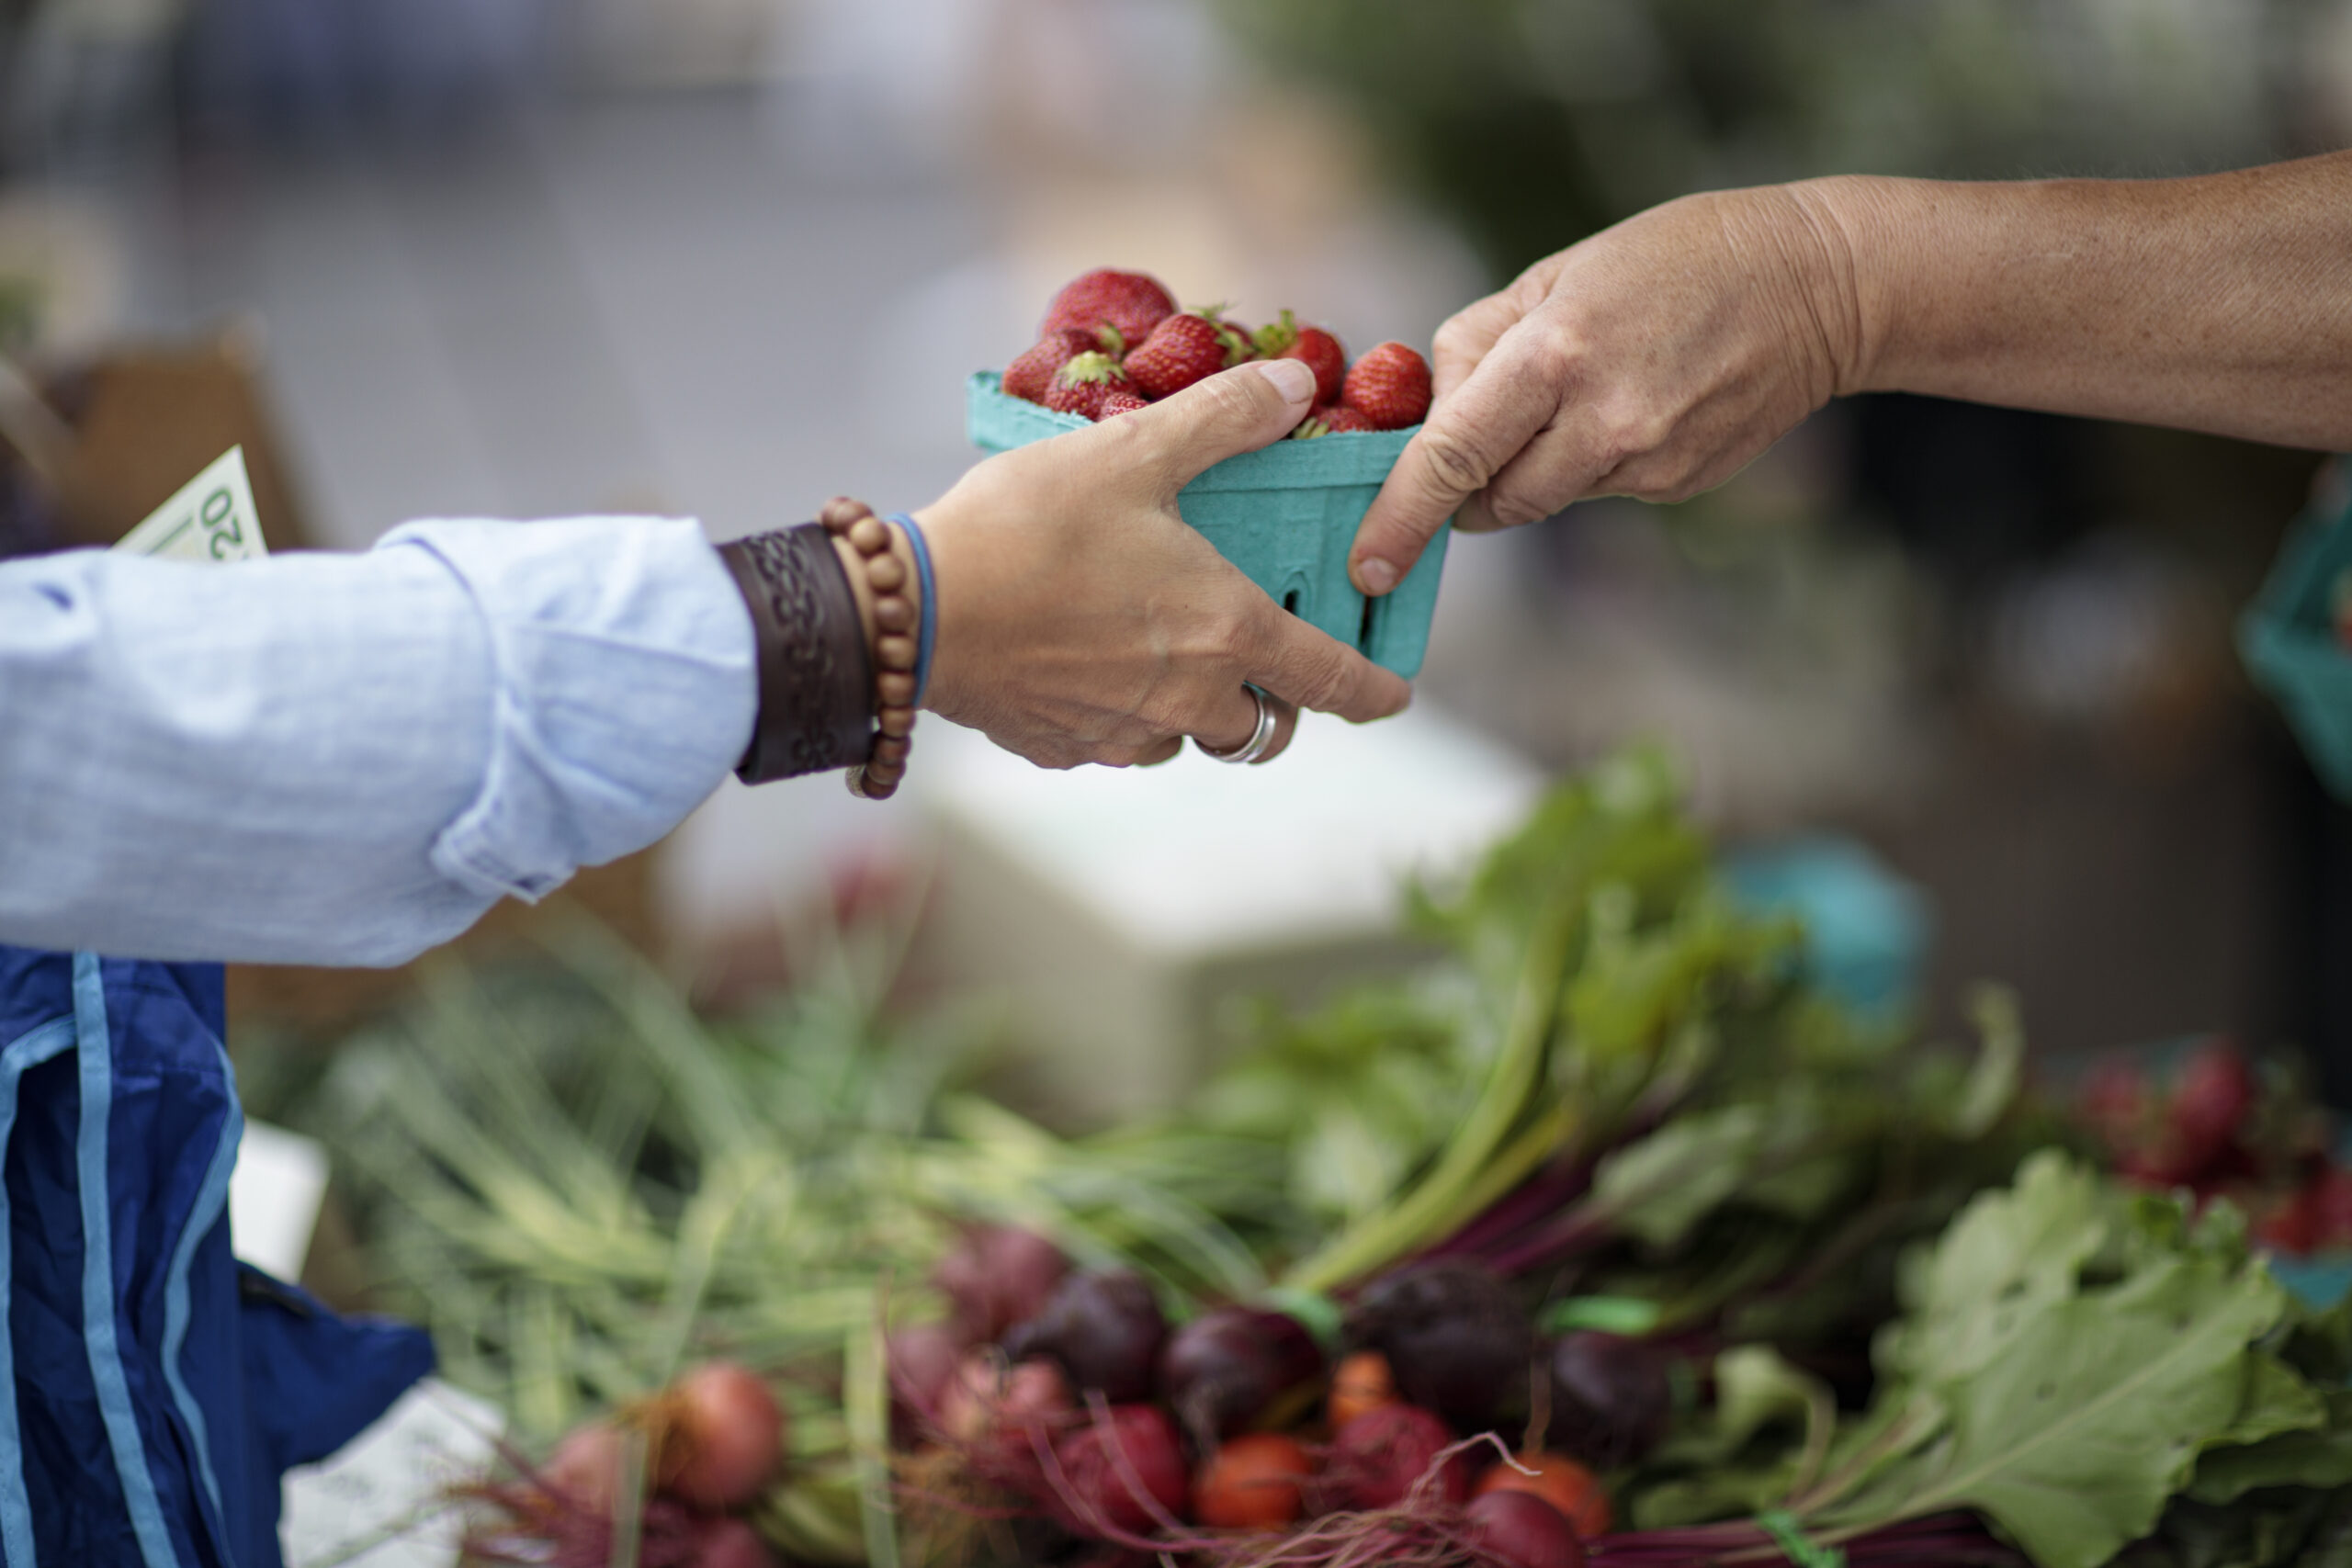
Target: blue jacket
{"points": [[154, 1391]]}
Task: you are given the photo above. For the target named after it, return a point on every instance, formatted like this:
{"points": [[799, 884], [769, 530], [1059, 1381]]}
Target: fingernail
{"points": [[1293, 378], [1374, 575]]}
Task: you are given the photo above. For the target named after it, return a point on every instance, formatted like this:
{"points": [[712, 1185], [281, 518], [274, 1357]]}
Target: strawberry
{"points": [[1333, 419], [1180, 351], [1029, 375], [1119, 308], [1080, 386], [1318, 349], [1389, 386], [1119, 400]]}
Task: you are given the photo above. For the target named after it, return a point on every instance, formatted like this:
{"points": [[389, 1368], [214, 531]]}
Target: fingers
{"points": [[1312, 669], [1238, 410], [1511, 395], [1467, 336], [1242, 725]]}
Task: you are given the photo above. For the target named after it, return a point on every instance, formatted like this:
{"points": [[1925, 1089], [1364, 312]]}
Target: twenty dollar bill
{"points": [[211, 518]]}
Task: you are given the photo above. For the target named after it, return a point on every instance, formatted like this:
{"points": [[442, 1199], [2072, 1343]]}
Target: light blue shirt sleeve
{"points": [[347, 759]]}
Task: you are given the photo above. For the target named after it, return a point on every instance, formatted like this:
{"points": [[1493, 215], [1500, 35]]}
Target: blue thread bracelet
{"points": [[929, 632]]}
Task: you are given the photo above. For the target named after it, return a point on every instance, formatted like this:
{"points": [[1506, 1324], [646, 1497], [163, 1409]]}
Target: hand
{"points": [[1082, 621], [1654, 359]]}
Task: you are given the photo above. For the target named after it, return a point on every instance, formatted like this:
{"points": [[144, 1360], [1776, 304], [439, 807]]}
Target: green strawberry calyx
{"points": [[1277, 335]]}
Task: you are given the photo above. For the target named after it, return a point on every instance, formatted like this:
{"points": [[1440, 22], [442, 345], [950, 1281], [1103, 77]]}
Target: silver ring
{"points": [[1261, 739]]}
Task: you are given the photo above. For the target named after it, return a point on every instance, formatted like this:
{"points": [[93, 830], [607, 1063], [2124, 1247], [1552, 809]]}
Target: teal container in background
{"points": [[1285, 515], [2287, 639], [1866, 929]]}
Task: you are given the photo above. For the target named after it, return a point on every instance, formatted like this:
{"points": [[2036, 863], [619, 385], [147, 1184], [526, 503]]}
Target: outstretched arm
{"points": [[1656, 359]]}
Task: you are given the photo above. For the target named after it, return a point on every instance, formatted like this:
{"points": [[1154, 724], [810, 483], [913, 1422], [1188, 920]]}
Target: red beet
{"points": [[1378, 1458], [1613, 1398], [1223, 1369], [1105, 1330], [998, 1276], [922, 1359], [994, 1404], [585, 1469], [1524, 1531], [731, 1543], [1101, 1490], [726, 1436], [2209, 1100], [1457, 1342]]}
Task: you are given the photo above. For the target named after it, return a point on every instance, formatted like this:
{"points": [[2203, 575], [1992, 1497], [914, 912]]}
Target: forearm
{"points": [[2221, 303], [336, 759]]}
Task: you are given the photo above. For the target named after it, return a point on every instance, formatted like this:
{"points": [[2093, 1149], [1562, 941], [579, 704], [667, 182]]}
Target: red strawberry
{"points": [[1029, 375], [1129, 303], [1119, 400], [1180, 351], [1080, 386], [1390, 386], [1318, 349], [1333, 419]]}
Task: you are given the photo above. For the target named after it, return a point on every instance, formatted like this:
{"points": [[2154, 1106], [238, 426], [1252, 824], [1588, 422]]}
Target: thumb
{"points": [[1238, 410]]}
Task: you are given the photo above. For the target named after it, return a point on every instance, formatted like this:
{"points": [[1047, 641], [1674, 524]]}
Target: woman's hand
{"points": [[1079, 620], [1654, 359]]}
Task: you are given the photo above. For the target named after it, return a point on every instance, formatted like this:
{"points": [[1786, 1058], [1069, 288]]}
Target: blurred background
{"points": [[724, 258]]}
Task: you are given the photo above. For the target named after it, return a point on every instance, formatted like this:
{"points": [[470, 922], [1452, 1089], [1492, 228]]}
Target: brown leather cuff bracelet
{"points": [[816, 681]]}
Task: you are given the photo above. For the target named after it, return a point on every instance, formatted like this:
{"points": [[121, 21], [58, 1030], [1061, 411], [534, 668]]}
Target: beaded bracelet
{"points": [[898, 624]]}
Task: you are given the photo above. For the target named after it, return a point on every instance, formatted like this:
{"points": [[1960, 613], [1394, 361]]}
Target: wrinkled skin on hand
{"points": [[1081, 620], [1654, 359]]}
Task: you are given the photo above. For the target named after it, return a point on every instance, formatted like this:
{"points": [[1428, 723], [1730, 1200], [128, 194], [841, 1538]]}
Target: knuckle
{"points": [[1452, 459]]}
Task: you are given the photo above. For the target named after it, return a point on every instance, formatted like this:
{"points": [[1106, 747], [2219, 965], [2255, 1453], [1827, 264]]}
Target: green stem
{"points": [[1518, 1071]]}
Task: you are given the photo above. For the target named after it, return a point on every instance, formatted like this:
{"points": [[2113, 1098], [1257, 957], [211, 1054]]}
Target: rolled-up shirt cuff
{"points": [[624, 691]]}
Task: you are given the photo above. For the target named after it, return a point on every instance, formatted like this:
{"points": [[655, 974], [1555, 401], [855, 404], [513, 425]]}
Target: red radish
{"points": [[1252, 1483], [1106, 1459], [585, 1469], [731, 1543], [1559, 1481], [1222, 1370], [996, 1276], [1377, 1459], [1105, 1329], [1524, 1531], [721, 1435], [1361, 1383]]}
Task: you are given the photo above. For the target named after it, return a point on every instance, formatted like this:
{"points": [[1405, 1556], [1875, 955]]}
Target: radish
{"points": [[1222, 1370], [720, 1434], [1105, 1462], [1457, 1342], [1105, 1330], [998, 1276], [1379, 1458], [1522, 1530]]}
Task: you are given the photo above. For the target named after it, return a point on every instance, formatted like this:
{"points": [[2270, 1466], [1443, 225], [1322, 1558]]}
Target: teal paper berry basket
{"points": [[1285, 515], [2287, 639]]}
